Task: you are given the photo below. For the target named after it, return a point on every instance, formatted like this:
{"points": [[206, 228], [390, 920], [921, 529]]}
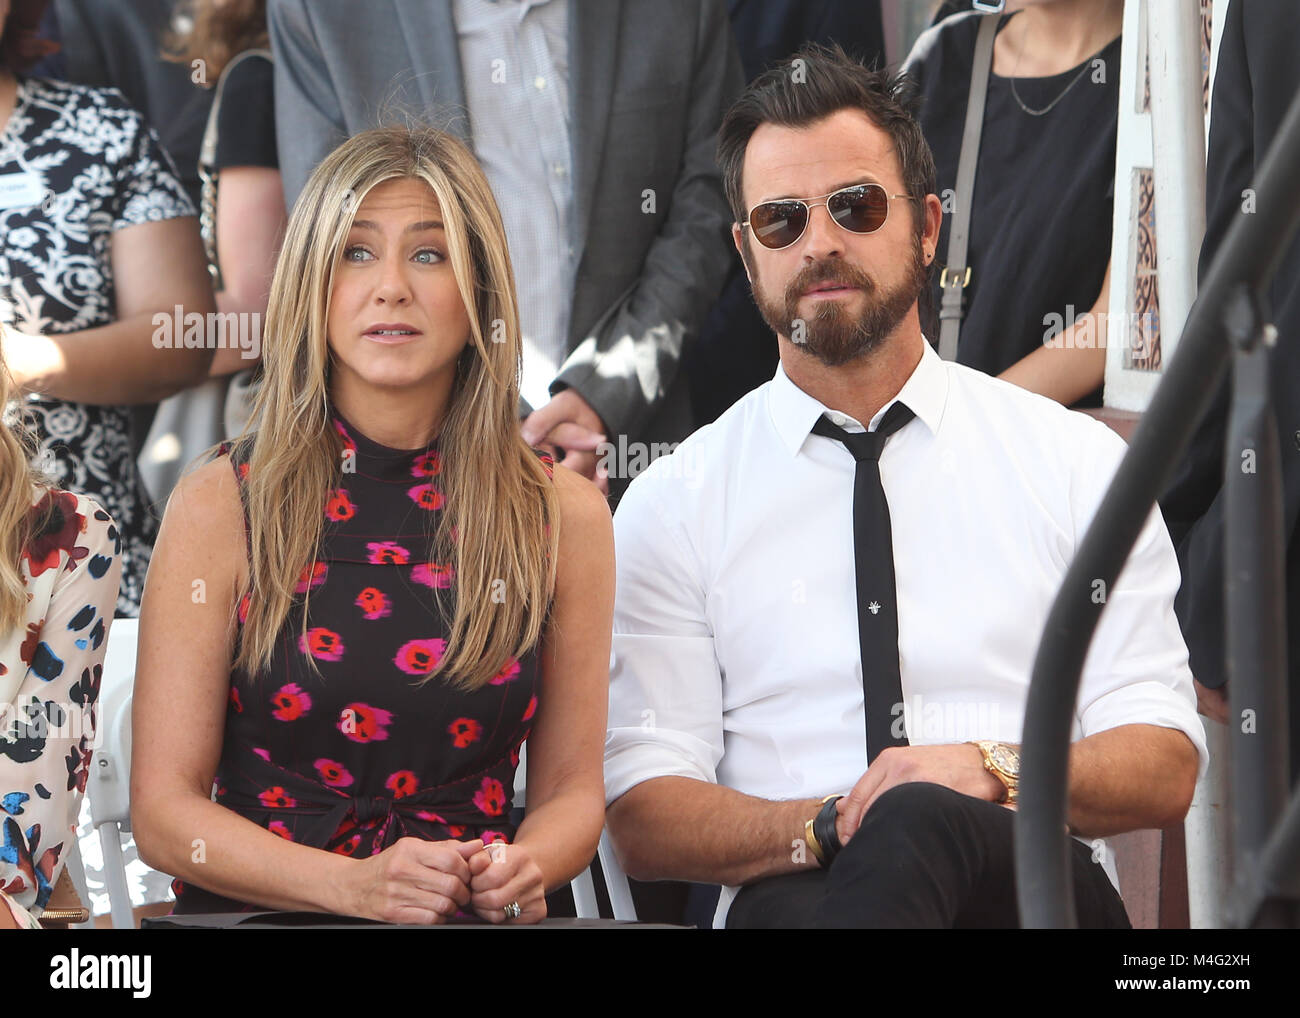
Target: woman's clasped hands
{"points": [[418, 881]]}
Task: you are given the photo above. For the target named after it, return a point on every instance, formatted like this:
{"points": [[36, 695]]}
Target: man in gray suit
{"points": [[596, 122]]}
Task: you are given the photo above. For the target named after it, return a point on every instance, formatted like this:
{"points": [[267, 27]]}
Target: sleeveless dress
{"points": [[354, 759]]}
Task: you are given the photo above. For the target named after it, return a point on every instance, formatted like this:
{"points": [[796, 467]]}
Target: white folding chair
{"points": [[584, 885], [109, 786]]}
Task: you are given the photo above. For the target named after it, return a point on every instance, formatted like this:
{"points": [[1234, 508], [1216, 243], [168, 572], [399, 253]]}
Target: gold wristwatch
{"points": [[1003, 762]]}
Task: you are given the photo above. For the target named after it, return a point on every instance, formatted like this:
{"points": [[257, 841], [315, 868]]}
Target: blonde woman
{"points": [[60, 562], [357, 614]]}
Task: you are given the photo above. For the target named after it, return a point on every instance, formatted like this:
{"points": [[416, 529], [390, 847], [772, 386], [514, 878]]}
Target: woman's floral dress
{"points": [[356, 757], [50, 669]]}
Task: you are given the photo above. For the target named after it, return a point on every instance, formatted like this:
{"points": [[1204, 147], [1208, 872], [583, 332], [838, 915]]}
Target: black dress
{"points": [[362, 755], [1040, 225]]}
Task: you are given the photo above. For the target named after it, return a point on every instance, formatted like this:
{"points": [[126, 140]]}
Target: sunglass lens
{"points": [[860, 209], [778, 223]]}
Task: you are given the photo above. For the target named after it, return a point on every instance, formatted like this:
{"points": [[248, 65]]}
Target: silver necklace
{"points": [[1048, 108]]}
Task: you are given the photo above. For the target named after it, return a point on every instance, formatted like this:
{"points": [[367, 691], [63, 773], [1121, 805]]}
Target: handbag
{"points": [[191, 422], [955, 276]]}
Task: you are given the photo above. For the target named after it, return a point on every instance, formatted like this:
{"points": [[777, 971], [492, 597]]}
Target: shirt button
{"points": [[539, 82], [559, 169], [838, 419]]}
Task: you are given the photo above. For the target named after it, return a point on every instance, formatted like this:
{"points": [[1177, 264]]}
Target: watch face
{"points": [[1006, 758]]}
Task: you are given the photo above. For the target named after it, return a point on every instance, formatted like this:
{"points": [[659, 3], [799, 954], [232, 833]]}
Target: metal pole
{"points": [[1250, 252]]}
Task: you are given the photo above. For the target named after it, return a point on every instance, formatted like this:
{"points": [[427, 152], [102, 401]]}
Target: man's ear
{"points": [[738, 238]]}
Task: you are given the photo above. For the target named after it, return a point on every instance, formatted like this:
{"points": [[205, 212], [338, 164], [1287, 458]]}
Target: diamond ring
{"points": [[512, 910]]}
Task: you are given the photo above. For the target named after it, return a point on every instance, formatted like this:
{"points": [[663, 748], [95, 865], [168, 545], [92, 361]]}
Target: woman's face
{"points": [[396, 318]]}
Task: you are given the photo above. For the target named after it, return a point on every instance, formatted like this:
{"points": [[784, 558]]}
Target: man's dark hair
{"points": [[812, 84]]}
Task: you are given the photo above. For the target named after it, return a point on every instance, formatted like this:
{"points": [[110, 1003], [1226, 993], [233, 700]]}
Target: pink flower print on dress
{"points": [[430, 574], [340, 508], [428, 464], [491, 797], [361, 722], [509, 672], [311, 577], [387, 553], [419, 657], [332, 773], [277, 798], [426, 496], [402, 784], [278, 827], [291, 703], [322, 644], [373, 603]]}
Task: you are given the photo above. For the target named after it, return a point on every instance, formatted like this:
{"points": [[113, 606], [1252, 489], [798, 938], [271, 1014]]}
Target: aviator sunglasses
{"points": [[859, 208]]}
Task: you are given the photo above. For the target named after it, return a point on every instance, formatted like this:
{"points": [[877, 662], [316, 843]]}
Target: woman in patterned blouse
{"points": [[100, 247], [354, 620], [59, 568]]}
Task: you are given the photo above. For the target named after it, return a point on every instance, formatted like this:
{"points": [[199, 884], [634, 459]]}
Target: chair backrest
{"points": [[109, 786]]}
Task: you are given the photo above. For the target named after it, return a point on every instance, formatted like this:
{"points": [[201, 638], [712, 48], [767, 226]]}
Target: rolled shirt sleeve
{"points": [[665, 694]]}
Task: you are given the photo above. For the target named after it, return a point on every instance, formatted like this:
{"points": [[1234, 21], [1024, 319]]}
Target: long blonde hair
{"points": [[499, 524], [19, 483]]}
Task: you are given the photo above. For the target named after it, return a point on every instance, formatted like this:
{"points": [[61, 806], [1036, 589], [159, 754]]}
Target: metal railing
{"points": [[1224, 322]]}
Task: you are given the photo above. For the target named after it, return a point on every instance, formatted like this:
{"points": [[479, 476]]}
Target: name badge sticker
{"points": [[20, 190]]}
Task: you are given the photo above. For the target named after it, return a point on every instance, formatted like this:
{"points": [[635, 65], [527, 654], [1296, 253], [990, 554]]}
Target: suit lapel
{"points": [[429, 31], [593, 38]]}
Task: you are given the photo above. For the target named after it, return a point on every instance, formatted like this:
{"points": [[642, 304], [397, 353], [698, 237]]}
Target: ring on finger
{"points": [[512, 911]]}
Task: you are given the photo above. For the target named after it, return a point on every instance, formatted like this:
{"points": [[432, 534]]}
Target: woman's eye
{"points": [[428, 256], [355, 254]]}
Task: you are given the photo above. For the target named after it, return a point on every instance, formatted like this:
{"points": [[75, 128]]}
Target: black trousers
{"points": [[925, 857]]}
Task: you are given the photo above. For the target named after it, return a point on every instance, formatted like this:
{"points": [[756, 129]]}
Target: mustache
{"points": [[830, 271]]}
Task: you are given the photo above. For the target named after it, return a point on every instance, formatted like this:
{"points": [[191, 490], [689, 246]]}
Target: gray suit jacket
{"points": [[649, 83]]}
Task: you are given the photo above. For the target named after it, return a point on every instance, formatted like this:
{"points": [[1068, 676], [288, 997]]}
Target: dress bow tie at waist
{"points": [[480, 800]]}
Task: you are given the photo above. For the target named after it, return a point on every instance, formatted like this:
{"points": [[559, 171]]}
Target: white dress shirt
{"points": [[514, 59], [736, 657]]}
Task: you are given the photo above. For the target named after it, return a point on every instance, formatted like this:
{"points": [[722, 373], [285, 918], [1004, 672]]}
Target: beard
{"points": [[831, 333]]}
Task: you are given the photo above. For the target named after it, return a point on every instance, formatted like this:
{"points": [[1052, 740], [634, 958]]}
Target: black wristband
{"points": [[825, 833]]}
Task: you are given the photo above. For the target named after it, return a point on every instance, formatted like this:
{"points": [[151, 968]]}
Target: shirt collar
{"points": [[794, 412]]}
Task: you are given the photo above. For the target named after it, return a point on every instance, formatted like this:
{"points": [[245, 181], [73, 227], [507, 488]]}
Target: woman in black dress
{"points": [[357, 615]]}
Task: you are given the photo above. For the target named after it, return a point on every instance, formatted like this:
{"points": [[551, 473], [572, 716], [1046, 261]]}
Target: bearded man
{"points": [[827, 612]]}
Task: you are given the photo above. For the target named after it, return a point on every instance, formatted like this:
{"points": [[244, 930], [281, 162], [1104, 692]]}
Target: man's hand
{"points": [[567, 422], [1213, 703], [959, 766]]}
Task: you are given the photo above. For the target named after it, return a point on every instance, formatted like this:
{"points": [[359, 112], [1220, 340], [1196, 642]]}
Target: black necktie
{"points": [[873, 555]]}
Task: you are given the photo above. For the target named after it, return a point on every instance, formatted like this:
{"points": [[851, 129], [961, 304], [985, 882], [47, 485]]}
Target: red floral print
{"points": [[373, 603], [427, 464], [402, 784], [311, 577], [291, 703], [426, 496], [491, 797], [433, 575], [387, 553], [276, 797], [419, 657], [361, 722], [509, 672], [332, 773], [340, 508], [464, 731], [322, 644]]}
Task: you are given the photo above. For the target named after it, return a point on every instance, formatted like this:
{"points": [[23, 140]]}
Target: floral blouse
{"points": [[77, 164], [50, 670]]}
